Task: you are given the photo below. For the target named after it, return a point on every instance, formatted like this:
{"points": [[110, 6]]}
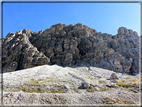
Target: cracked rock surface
{"points": [[69, 45]]}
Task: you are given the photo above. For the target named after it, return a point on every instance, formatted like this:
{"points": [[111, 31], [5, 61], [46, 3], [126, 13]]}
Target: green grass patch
{"points": [[126, 84], [58, 91], [44, 82], [89, 90], [7, 90], [40, 79], [32, 90], [23, 88], [38, 82], [101, 82], [105, 89], [121, 102]]}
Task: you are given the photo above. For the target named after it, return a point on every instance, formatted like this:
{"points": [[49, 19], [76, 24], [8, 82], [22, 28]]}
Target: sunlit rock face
{"points": [[68, 45]]}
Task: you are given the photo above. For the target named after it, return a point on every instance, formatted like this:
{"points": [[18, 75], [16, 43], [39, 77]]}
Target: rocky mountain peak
{"points": [[69, 45], [123, 30]]}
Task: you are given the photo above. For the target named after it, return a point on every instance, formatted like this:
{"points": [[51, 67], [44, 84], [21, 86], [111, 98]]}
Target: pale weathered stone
{"points": [[96, 89]]}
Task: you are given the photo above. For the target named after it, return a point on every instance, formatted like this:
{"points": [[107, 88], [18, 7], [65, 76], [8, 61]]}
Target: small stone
{"points": [[96, 89], [113, 85], [86, 85], [110, 84]]}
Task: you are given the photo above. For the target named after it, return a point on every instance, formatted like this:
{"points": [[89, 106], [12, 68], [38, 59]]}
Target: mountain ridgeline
{"points": [[68, 45]]}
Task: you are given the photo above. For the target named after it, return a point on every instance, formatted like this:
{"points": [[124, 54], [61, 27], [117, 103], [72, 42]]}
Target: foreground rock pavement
{"points": [[53, 84]]}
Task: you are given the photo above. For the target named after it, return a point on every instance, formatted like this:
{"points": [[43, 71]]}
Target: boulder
{"points": [[113, 76], [84, 85]]}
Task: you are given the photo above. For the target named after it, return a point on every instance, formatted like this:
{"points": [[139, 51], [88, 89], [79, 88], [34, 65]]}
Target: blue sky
{"points": [[104, 17]]}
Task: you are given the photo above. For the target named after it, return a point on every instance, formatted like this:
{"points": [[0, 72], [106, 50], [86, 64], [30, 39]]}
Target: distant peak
{"points": [[124, 30]]}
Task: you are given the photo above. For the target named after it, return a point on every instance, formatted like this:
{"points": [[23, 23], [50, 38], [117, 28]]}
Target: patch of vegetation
{"points": [[58, 91], [107, 100], [105, 89], [101, 90], [124, 89], [40, 79], [121, 102], [55, 91], [56, 81], [119, 80], [125, 101], [38, 82], [101, 82], [128, 102], [49, 78], [132, 89], [45, 81], [135, 91], [127, 78], [32, 90], [29, 82], [89, 90], [92, 79], [127, 84], [23, 88], [89, 74], [7, 90]]}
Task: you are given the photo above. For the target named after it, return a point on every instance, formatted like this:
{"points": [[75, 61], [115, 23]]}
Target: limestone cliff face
{"points": [[71, 45]]}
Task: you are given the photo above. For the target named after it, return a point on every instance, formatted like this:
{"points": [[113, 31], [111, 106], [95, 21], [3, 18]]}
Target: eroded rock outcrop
{"points": [[19, 53], [72, 45]]}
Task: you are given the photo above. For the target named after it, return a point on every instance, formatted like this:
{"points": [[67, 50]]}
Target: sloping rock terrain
{"points": [[71, 45], [53, 84]]}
